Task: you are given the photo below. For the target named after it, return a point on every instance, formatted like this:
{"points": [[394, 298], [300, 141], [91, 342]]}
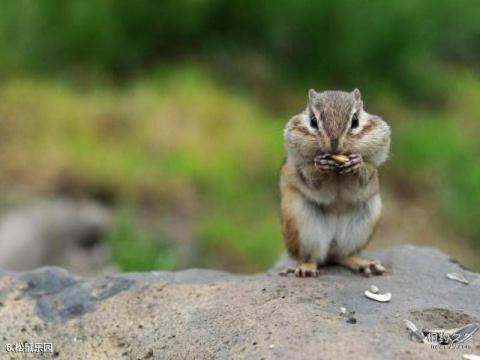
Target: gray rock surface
{"points": [[202, 314]]}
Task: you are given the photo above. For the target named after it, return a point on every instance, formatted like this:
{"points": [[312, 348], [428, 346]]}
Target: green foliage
{"points": [[134, 249], [418, 142], [95, 35], [374, 45], [176, 138], [241, 242], [431, 147]]}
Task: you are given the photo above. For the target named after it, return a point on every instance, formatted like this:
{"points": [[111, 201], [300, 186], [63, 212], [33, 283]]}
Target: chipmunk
{"points": [[330, 200]]}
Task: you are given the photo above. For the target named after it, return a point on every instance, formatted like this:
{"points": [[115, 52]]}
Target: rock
{"points": [[206, 314], [56, 232]]}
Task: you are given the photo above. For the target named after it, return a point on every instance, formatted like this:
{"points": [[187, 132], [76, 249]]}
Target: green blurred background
{"points": [[170, 113]]}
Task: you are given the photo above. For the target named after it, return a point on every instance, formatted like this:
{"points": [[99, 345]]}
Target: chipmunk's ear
{"points": [[357, 95], [312, 96]]}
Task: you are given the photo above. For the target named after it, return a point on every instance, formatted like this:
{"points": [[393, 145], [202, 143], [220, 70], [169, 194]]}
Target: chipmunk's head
{"points": [[334, 122]]}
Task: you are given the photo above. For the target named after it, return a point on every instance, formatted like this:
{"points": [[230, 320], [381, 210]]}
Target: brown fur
{"points": [[289, 227], [311, 189], [366, 129], [290, 235], [335, 105]]}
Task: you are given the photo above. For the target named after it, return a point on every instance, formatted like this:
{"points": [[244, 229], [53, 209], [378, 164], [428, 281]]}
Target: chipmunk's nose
{"points": [[334, 145]]}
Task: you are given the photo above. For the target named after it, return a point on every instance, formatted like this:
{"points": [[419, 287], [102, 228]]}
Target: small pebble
{"points": [[378, 297], [352, 320], [471, 357], [457, 277]]}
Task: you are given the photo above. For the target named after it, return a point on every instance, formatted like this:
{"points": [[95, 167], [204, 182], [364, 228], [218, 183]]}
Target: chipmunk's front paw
{"points": [[353, 165], [363, 266], [325, 163]]}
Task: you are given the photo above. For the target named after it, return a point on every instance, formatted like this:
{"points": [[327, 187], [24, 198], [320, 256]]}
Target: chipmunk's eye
{"points": [[354, 124], [313, 121]]}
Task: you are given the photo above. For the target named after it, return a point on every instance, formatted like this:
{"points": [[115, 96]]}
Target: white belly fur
{"points": [[327, 234]]}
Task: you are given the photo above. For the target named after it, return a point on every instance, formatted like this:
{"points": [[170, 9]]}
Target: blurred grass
{"points": [[181, 143], [136, 249], [177, 140], [305, 43], [442, 150], [99, 98]]}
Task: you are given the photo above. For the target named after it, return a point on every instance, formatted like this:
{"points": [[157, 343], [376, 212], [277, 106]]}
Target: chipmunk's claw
{"points": [[306, 273], [364, 266], [354, 163], [325, 163], [306, 269]]}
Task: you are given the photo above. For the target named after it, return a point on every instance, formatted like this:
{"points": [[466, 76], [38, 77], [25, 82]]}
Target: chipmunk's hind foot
{"points": [[364, 266], [306, 269]]}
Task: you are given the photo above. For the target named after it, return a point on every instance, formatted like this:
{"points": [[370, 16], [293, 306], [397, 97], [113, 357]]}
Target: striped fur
{"points": [[327, 216]]}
